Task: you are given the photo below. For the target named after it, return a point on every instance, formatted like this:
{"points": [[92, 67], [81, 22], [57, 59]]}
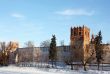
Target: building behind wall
{"points": [[79, 43], [40, 54], [29, 54]]}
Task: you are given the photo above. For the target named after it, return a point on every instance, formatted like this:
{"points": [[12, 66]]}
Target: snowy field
{"points": [[32, 70]]}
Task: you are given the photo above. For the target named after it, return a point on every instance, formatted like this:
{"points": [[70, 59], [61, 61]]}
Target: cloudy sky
{"points": [[37, 20]]}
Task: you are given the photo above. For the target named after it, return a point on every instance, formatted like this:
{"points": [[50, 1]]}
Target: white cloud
{"points": [[71, 12], [17, 15]]}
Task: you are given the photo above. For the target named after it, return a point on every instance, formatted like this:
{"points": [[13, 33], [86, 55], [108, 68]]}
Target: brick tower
{"points": [[80, 39]]}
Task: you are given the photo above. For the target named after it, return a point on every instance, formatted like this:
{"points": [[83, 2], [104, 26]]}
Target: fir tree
{"points": [[98, 48], [53, 50]]}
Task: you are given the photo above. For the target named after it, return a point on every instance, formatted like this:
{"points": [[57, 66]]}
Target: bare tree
{"points": [[3, 45], [45, 43], [76, 54], [37, 55], [29, 44], [6, 49], [3, 53], [88, 58], [79, 55], [11, 46], [62, 43]]}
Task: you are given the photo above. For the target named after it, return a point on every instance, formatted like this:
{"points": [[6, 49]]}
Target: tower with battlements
{"points": [[79, 41]]}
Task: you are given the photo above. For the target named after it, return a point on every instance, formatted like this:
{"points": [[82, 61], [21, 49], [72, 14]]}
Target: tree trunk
{"points": [[85, 67], [55, 64], [98, 65], [102, 66], [71, 66], [52, 64]]}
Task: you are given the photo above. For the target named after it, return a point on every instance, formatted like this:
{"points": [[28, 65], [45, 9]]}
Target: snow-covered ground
{"points": [[33, 70]]}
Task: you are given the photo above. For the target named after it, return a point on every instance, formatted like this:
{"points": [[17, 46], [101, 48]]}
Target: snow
{"points": [[34, 70]]}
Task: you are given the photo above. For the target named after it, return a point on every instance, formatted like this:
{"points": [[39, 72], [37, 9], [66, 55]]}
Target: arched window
{"points": [[80, 33], [85, 33], [88, 34], [75, 33]]}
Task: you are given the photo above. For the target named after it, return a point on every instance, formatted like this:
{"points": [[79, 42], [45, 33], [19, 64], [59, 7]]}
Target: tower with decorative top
{"points": [[79, 41]]}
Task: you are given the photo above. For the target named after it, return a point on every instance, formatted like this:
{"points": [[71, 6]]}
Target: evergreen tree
{"points": [[98, 48], [53, 50]]}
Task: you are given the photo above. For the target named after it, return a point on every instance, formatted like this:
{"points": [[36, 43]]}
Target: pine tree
{"points": [[53, 50], [98, 48]]}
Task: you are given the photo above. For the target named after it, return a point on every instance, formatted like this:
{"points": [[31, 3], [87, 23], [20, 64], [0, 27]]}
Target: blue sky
{"points": [[37, 20]]}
